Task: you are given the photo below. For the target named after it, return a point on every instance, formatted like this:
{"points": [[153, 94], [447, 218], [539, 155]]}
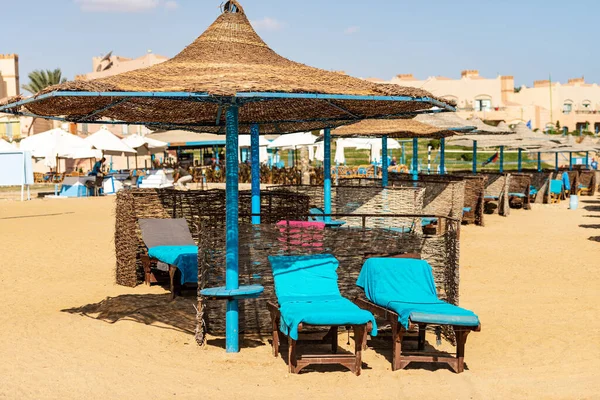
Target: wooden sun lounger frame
{"points": [[150, 277], [401, 361], [297, 362]]}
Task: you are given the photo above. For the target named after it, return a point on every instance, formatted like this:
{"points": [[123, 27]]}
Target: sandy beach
{"points": [[69, 332]]}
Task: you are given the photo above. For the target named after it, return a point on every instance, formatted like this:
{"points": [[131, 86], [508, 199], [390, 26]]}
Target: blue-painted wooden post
{"points": [[231, 221], [556, 162], [570, 161], [539, 162], [255, 159], [501, 159], [443, 156], [474, 157], [587, 159], [384, 161], [327, 174], [520, 161], [415, 160], [217, 154]]}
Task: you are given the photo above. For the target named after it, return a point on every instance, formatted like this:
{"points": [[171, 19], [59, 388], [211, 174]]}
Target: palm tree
{"points": [[40, 80]]}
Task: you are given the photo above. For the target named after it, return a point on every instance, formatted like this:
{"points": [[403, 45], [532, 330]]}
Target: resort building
{"points": [[109, 65], [574, 105], [9, 87]]}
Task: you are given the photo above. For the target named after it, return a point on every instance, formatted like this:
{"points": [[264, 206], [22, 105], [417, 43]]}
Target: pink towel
{"points": [[301, 233]]}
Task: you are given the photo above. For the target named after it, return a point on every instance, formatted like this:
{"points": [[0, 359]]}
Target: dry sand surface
{"points": [[68, 332]]}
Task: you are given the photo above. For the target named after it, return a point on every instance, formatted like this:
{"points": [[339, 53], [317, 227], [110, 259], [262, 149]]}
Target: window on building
{"points": [[9, 131], [586, 105], [483, 105], [125, 129], [567, 107], [85, 129]]}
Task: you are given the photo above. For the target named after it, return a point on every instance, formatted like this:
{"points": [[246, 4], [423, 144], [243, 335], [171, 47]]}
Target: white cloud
{"points": [[267, 24], [124, 5], [351, 30]]}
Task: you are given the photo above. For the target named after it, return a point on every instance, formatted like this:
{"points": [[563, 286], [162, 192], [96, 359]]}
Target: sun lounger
{"points": [[317, 215], [556, 191], [172, 249], [402, 291], [308, 295]]}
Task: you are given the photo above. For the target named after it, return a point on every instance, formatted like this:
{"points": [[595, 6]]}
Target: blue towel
{"points": [[556, 186], [317, 215], [467, 209], [185, 258], [307, 291], [406, 286], [566, 181], [520, 195]]}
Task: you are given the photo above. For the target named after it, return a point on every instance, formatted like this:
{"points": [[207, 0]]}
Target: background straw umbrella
{"points": [[229, 81]]}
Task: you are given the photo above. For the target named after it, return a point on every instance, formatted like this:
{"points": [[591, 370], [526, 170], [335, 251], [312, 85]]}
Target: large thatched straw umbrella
{"points": [[228, 81], [395, 128]]}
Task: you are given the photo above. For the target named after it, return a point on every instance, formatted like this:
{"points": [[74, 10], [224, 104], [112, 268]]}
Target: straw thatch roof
{"points": [[393, 128], [449, 121], [483, 128], [229, 59]]}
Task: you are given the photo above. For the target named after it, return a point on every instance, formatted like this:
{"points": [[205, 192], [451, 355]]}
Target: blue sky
{"points": [[529, 39]]}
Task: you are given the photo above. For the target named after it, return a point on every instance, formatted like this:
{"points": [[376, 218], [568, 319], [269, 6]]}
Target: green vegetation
{"points": [[40, 80]]}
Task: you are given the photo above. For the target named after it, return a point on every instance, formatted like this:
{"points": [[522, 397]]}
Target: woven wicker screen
{"points": [[588, 179], [196, 207], [369, 200], [351, 246], [443, 195]]}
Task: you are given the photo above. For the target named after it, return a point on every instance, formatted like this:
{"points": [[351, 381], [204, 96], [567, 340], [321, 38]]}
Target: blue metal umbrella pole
{"points": [[232, 242], [501, 159], [255, 162], [570, 161], [474, 157], [520, 161], [327, 174], [384, 161], [442, 156], [587, 159], [539, 162], [415, 159]]}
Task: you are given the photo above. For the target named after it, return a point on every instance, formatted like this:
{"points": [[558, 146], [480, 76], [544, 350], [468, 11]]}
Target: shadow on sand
{"points": [[148, 309]]}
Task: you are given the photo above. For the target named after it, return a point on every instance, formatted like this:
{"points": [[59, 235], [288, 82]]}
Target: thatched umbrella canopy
{"points": [[449, 121], [392, 128], [228, 64]]}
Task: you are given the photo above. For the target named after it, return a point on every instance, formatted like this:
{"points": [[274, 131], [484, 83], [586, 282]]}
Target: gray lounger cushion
{"points": [[166, 232]]}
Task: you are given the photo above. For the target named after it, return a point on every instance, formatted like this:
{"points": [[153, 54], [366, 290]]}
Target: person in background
{"points": [[182, 177], [594, 164], [394, 162], [97, 168]]}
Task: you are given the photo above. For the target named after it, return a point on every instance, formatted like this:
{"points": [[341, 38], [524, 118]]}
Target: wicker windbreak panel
{"points": [[587, 179], [521, 184], [369, 200], [443, 195], [197, 207], [351, 246]]}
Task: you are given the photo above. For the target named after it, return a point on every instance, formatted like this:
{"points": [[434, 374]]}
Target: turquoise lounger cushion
{"points": [[556, 186], [491, 197], [532, 191], [520, 195], [428, 221], [185, 258], [583, 187], [467, 209], [406, 286], [307, 291]]}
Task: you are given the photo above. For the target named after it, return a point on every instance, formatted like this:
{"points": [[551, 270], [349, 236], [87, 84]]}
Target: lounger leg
{"points": [[461, 339], [275, 330], [292, 361], [147, 269], [175, 282], [360, 332], [397, 335], [334, 339], [422, 330]]}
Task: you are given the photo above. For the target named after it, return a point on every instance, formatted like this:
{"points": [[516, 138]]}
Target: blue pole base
{"points": [[232, 341], [256, 209]]}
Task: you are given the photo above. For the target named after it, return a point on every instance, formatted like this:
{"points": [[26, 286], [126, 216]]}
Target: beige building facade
{"points": [[575, 104], [10, 126]]}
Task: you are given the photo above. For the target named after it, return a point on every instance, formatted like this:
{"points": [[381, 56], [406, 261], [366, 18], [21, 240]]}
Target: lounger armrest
{"points": [[376, 310]]}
